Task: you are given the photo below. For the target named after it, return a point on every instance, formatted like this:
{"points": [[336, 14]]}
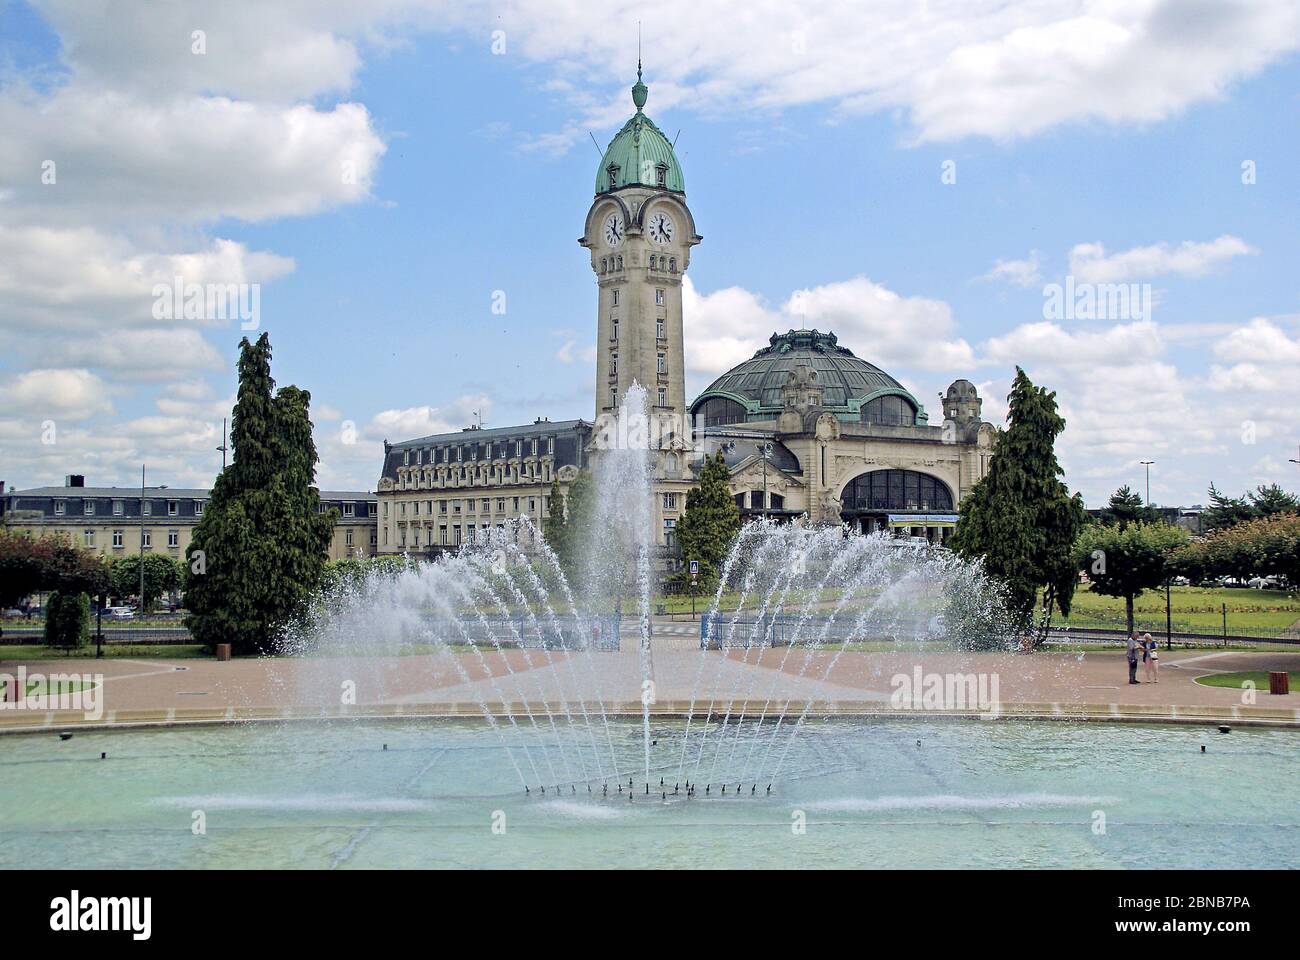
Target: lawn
{"points": [[1234, 681], [44, 687], [150, 651], [1195, 610]]}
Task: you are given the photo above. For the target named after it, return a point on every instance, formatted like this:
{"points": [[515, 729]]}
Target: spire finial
{"points": [[639, 89]]}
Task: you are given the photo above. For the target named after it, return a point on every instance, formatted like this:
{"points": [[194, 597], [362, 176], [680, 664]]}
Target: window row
{"points": [[897, 490], [90, 508], [119, 539], [490, 450], [753, 500], [470, 505], [493, 474]]}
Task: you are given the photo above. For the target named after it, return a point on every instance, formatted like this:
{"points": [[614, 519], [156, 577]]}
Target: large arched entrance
{"points": [[905, 502]]}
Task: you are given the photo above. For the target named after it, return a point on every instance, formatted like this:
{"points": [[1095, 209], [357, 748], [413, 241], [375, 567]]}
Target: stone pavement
{"points": [[1092, 684]]}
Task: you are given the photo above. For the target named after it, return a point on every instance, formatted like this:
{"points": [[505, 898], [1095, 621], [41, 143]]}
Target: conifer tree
{"points": [[711, 520], [260, 550], [1020, 518]]}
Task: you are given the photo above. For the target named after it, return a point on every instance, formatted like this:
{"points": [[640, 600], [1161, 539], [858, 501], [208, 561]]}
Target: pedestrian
{"points": [[1133, 645], [1152, 651]]}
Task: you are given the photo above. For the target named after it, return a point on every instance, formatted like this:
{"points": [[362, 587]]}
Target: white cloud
{"points": [[38, 395], [1047, 342], [883, 327], [138, 355], [118, 160], [1090, 263], [412, 422], [1018, 273]]}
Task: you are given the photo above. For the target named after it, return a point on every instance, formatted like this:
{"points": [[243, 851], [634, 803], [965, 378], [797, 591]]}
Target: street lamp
{"points": [[1147, 464], [767, 452]]}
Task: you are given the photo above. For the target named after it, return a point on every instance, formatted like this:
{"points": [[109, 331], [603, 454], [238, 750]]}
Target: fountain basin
{"points": [[326, 794]]}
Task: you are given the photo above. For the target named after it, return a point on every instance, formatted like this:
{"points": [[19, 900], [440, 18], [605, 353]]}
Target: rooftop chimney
{"points": [[74, 480]]}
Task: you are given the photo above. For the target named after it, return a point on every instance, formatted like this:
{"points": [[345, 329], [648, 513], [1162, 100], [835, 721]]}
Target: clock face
{"points": [[613, 230], [661, 228]]}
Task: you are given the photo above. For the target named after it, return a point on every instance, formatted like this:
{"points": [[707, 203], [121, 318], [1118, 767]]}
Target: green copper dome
{"points": [[752, 389], [640, 154]]}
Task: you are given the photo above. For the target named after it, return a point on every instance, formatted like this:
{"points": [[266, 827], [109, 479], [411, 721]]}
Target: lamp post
{"points": [[767, 452], [1147, 464], [141, 603]]}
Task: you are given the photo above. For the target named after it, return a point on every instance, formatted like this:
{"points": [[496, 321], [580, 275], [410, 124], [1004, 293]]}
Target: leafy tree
{"points": [[161, 575], [67, 620], [1127, 561], [710, 522], [260, 550], [1020, 518], [1126, 506], [29, 564], [24, 565], [1265, 546]]}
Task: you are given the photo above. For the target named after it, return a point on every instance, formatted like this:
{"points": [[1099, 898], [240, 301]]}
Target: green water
{"points": [[971, 794]]}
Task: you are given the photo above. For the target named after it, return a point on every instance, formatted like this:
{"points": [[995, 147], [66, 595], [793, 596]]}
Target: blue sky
{"points": [[810, 168]]}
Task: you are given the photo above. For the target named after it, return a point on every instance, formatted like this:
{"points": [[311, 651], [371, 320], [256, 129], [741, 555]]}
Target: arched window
{"points": [[892, 410], [897, 490], [604, 265], [719, 411], [672, 264], [620, 261]]}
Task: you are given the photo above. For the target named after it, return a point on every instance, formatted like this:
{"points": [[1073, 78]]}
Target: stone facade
{"points": [[440, 491], [108, 520]]}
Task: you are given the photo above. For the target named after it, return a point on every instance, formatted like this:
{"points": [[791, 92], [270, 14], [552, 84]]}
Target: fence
{"points": [[144, 636], [724, 631], [562, 633], [720, 631]]}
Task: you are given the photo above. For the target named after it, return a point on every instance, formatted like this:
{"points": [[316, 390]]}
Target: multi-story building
{"points": [[806, 427], [440, 491], [113, 521]]}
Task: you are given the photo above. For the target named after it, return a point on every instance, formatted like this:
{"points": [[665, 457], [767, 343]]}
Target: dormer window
{"points": [[612, 169], [661, 175]]}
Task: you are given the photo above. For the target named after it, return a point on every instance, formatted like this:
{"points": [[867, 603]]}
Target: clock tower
{"points": [[639, 233]]}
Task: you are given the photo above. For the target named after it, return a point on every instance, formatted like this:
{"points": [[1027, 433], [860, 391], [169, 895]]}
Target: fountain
{"points": [[556, 709]]}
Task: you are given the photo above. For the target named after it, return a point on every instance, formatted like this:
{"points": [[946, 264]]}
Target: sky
{"points": [[403, 182]]}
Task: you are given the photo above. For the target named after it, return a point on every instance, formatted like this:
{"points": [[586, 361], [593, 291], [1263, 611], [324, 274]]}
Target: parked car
{"points": [[1265, 583], [13, 613], [120, 613]]}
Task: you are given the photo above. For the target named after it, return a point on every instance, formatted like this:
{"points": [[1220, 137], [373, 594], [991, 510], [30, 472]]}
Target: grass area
{"points": [[170, 651], [1194, 609], [46, 688], [1235, 681]]}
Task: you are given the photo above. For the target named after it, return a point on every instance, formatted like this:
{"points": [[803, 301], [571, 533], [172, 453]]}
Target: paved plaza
{"points": [[682, 678]]}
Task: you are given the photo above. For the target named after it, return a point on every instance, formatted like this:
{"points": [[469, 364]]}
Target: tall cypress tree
{"points": [[1020, 518], [553, 527], [260, 549], [711, 520]]}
